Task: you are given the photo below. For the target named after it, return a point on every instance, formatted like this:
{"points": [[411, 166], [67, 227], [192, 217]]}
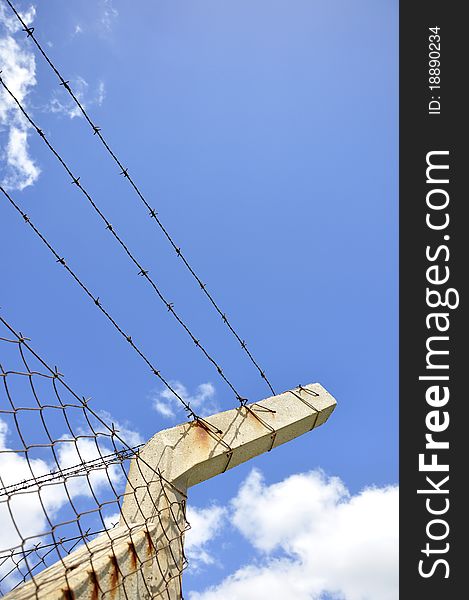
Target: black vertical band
{"points": [[434, 257]]}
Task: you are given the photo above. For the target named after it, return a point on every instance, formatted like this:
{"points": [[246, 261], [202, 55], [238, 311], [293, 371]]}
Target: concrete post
{"points": [[143, 557]]}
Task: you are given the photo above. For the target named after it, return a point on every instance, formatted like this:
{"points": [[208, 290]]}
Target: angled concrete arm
{"points": [[143, 557], [193, 452]]}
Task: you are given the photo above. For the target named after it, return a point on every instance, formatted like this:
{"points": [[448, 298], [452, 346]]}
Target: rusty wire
{"points": [[29, 31], [63, 480], [144, 273], [98, 303]]}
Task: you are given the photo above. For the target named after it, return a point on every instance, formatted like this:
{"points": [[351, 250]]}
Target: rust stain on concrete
{"points": [[150, 546], [68, 594], [94, 585], [114, 575], [133, 556]]}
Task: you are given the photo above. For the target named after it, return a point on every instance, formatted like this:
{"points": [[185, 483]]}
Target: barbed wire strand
{"points": [[141, 271], [153, 214], [97, 302]]}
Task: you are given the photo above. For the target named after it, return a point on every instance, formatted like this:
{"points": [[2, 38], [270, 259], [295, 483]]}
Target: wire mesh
{"points": [[63, 481]]}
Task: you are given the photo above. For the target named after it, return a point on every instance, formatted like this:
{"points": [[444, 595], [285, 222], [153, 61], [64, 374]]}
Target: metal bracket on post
{"points": [[143, 557]]}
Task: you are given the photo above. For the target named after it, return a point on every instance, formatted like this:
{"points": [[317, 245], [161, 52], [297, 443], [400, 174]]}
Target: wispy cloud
{"points": [[9, 21], [23, 171], [62, 104], [109, 14], [202, 400], [124, 429], [313, 539], [19, 73]]}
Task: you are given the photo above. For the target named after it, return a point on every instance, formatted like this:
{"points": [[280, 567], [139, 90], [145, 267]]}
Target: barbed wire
{"points": [[152, 212], [98, 303], [141, 270], [53, 476], [63, 480]]}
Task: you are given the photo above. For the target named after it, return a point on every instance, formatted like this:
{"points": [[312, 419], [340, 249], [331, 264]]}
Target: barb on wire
{"points": [[120, 241], [152, 212], [97, 302], [79, 469], [64, 476]]}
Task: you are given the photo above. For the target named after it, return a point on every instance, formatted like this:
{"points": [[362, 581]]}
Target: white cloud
{"points": [[3, 434], [202, 401], [24, 171], [109, 14], [100, 93], [313, 538], [205, 524], [31, 508], [26, 506], [112, 521], [75, 452], [164, 408], [9, 21], [62, 103], [124, 429], [24, 512], [19, 72]]}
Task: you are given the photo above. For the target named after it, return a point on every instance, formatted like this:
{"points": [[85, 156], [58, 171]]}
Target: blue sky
{"points": [[265, 134]]}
